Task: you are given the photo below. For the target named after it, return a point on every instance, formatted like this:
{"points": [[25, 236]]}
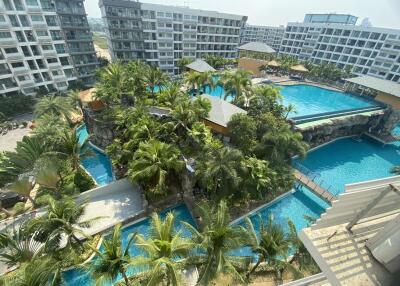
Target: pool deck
{"points": [[315, 188]]}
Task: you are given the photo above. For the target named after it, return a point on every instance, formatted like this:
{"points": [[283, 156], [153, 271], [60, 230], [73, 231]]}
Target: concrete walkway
{"points": [[8, 142]]}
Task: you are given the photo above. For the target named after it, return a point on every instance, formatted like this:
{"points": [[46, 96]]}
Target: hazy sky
{"points": [[382, 13]]}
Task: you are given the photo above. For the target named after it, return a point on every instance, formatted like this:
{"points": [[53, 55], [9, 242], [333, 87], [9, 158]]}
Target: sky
{"points": [[381, 13]]}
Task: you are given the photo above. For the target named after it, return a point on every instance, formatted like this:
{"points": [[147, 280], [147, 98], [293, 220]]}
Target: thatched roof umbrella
{"points": [[273, 63], [299, 68]]}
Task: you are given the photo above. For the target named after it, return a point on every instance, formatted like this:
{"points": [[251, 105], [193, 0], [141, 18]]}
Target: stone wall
{"points": [[102, 133], [378, 123]]}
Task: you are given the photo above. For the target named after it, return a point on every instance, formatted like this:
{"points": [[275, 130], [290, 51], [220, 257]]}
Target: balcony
{"points": [[33, 9], [14, 57], [54, 66], [44, 39], [8, 41], [49, 53], [39, 25], [27, 83], [20, 71], [4, 25], [59, 78]]}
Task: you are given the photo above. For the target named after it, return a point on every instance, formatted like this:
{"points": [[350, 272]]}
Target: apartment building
{"points": [[366, 50], [272, 36], [78, 37], [331, 18], [35, 47], [162, 34]]}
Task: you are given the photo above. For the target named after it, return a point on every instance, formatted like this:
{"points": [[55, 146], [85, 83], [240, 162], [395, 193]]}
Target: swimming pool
{"points": [[294, 206], [350, 160], [82, 278], [98, 166], [311, 100]]}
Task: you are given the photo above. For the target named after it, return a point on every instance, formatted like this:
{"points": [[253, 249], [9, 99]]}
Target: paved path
{"points": [[8, 142]]}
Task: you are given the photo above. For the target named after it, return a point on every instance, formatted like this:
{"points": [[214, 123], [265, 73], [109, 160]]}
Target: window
{"points": [[37, 18], [18, 5], [56, 73], [11, 50], [42, 33], [23, 77], [35, 50], [52, 61], [24, 20], [29, 36], [2, 19], [47, 47], [32, 3], [13, 20], [5, 35], [26, 51], [7, 5], [18, 65], [20, 36]]}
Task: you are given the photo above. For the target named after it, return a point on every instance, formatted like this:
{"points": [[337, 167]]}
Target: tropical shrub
{"points": [[17, 104], [19, 208]]}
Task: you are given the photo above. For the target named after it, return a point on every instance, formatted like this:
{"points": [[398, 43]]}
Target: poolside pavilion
{"points": [[254, 55], [220, 114], [201, 66], [88, 99], [383, 90]]}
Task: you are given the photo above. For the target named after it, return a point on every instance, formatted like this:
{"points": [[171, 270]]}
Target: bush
{"points": [[83, 181], [19, 208], [14, 105], [43, 200]]}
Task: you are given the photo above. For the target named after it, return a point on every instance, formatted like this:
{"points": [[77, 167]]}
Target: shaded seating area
{"points": [[200, 65], [298, 72], [88, 99], [254, 56]]}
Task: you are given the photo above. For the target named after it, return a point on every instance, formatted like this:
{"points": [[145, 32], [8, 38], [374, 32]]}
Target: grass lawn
{"points": [[100, 40]]}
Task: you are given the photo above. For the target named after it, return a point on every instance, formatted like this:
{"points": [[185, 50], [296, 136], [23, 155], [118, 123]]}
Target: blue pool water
{"points": [[350, 161], [293, 206], [310, 100], [75, 277], [396, 130], [98, 166]]}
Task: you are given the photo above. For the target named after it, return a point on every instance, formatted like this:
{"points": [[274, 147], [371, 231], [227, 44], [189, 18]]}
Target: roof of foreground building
{"points": [[378, 84], [221, 110], [257, 47], [200, 65]]}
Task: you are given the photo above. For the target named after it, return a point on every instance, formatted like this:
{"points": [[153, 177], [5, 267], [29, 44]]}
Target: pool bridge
{"points": [[314, 187]]}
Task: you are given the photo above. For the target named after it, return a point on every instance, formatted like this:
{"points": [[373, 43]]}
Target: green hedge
{"points": [[14, 105]]}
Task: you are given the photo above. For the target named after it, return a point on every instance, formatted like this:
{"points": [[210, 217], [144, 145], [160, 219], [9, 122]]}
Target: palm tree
{"points": [[271, 245], [23, 187], [112, 260], [183, 62], [217, 241], [113, 82], [165, 252], [218, 170], [154, 163], [63, 219], [154, 77], [236, 84], [206, 79], [19, 247], [70, 146], [280, 144], [22, 159], [290, 109], [75, 100], [192, 79], [57, 105], [172, 95], [39, 272]]}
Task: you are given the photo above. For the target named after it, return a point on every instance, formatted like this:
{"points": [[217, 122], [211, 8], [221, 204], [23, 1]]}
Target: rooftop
{"points": [[221, 111], [356, 241], [378, 84], [200, 65], [257, 47]]}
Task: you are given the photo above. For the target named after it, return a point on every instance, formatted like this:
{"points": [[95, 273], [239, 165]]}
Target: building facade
{"points": [[34, 48], [331, 18], [162, 34], [366, 50], [272, 36]]}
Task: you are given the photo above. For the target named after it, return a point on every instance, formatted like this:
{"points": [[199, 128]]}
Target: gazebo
{"points": [[254, 55], [300, 70]]}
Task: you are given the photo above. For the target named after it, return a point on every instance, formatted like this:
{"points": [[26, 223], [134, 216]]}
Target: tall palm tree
{"points": [[217, 240], [154, 77], [236, 84], [154, 163], [57, 105], [23, 187], [165, 252], [19, 247], [206, 79], [280, 144], [75, 100], [113, 260], [39, 272], [172, 95], [218, 170], [271, 245]]}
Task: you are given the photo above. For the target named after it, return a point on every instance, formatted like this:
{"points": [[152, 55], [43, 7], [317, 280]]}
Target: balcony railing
{"points": [[8, 41], [14, 56], [33, 9], [49, 53], [39, 25]]}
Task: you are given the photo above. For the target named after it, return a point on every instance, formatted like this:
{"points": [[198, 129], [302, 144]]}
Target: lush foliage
{"points": [[15, 105]]}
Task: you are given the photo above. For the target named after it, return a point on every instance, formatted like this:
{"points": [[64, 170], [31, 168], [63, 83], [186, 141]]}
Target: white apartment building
{"points": [[162, 34], [33, 51], [367, 50], [272, 36]]}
